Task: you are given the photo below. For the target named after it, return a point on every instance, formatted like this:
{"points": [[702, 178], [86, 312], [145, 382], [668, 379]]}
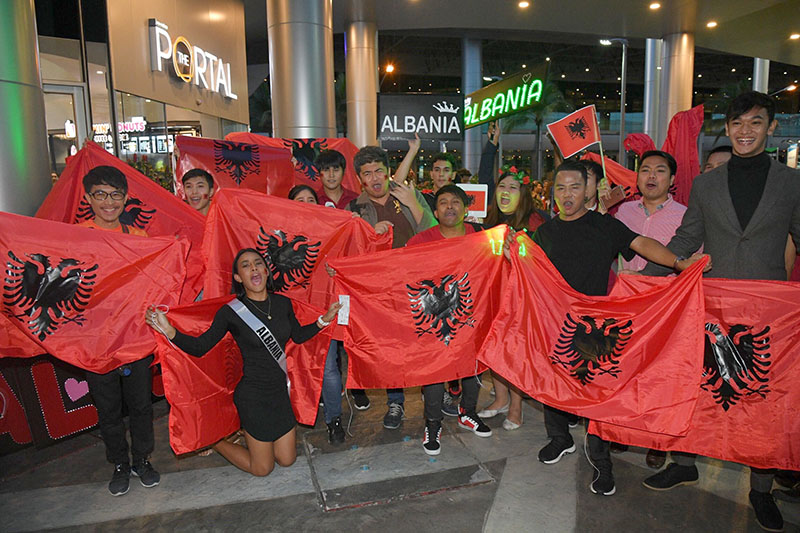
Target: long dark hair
{"points": [[520, 217], [236, 287]]}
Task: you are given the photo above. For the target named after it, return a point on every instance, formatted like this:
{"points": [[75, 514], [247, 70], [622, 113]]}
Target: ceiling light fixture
{"points": [[711, 24], [524, 4], [794, 36], [655, 5]]}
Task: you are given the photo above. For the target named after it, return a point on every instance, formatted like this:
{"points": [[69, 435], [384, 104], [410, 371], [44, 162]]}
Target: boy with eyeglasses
{"points": [[106, 192]]}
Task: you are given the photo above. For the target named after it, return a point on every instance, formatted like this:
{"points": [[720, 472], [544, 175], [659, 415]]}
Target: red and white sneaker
{"points": [[472, 422]]}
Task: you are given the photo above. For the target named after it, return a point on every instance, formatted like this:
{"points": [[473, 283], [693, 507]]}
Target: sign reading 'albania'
{"points": [[190, 63], [431, 116], [505, 97]]}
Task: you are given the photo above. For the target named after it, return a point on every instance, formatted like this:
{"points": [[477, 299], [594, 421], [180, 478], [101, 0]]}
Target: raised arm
{"points": [[405, 165], [196, 346]]}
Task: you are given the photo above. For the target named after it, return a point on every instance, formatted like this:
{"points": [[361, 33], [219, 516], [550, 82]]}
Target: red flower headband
{"points": [[517, 174]]}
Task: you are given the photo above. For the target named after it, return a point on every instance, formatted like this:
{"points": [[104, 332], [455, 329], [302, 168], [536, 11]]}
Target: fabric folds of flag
{"points": [[200, 389], [80, 294], [681, 143], [616, 173], [418, 315], [748, 409], [304, 152], [576, 131], [245, 165], [298, 237], [149, 207], [627, 360]]}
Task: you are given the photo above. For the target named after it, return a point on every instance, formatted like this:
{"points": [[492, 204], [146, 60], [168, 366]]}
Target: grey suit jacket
{"points": [[755, 252]]}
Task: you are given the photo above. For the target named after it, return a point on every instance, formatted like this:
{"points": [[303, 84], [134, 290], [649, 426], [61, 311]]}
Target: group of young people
{"points": [[654, 232]]}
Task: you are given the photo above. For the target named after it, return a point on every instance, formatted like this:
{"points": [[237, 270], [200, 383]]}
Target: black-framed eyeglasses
{"points": [[102, 195]]}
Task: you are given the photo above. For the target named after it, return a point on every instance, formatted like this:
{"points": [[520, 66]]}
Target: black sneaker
{"points": [[450, 404], [394, 416], [673, 476], [473, 423], [433, 434], [767, 513], [335, 431], [147, 475], [120, 479], [603, 480], [553, 452], [361, 401]]}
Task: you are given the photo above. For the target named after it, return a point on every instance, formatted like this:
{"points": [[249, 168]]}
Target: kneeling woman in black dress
{"points": [[261, 397]]}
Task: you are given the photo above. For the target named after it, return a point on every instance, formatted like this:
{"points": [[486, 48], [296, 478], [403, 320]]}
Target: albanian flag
{"points": [[235, 164], [149, 207], [616, 173], [576, 131], [681, 143], [80, 293], [748, 409], [200, 389], [299, 239], [418, 315], [304, 152], [628, 360]]}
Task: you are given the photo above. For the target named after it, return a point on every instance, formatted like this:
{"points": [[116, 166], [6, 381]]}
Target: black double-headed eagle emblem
{"points": [[47, 295], [237, 160], [577, 128], [135, 213], [736, 364], [304, 152], [291, 260], [441, 309], [587, 349]]}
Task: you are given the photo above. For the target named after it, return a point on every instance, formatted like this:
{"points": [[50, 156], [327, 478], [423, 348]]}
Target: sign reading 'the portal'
{"points": [[432, 117], [503, 98], [190, 63]]}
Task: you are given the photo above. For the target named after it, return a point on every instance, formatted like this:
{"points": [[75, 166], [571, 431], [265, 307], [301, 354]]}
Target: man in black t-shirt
{"points": [[582, 244]]}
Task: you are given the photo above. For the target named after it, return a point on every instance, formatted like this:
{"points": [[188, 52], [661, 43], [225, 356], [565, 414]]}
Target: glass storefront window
{"points": [[143, 142]]}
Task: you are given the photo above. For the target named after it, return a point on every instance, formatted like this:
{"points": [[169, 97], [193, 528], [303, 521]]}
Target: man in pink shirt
{"points": [[656, 215]]}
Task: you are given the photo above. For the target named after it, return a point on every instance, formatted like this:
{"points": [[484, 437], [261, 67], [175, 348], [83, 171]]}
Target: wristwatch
{"points": [[677, 260]]}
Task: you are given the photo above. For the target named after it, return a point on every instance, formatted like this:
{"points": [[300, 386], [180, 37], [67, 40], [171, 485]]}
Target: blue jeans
{"points": [[395, 396], [332, 384]]}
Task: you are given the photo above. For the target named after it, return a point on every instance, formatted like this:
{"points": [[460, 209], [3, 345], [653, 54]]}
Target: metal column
{"points": [[300, 36], [677, 78], [24, 169], [361, 57], [471, 73], [761, 75], [652, 82]]}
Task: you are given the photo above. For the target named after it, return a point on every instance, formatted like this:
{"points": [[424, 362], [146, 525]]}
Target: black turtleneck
{"points": [[747, 177]]}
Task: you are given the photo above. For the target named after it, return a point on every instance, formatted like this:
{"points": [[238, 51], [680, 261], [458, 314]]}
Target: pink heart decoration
{"points": [[76, 389]]}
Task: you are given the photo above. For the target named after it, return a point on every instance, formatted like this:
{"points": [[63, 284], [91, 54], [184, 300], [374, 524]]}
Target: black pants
{"points": [[556, 422], [109, 391], [434, 393]]}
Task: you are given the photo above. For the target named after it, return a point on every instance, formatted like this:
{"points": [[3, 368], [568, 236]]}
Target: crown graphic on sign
{"points": [[444, 107]]}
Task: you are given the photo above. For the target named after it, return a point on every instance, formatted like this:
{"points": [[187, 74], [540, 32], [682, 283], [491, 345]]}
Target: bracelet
{"points": [[678, 258], [321, 323]]}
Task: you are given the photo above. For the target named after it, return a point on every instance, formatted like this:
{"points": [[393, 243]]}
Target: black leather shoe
{"points": [[767, 513]]}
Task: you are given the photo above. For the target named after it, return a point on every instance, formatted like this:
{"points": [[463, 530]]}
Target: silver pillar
{"points": [[361, 58], [24, 169], [652, 82], [300, 35], [761, 75], [471, 74], [677, 78], [622, 156]]}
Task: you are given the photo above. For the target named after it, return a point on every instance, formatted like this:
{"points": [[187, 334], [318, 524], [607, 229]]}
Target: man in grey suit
{"points": [[740, 213]]}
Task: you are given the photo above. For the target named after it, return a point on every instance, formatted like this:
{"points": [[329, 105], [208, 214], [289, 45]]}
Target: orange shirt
{"points": [[131, 229]]}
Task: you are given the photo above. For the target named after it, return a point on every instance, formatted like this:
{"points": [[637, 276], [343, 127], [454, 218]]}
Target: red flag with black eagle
{"points": [[80, 294], [235, 164], [614, 359], [418, 315], [304, 152], [575, 132], [149, 207], [298, 238], [200, 389], [748, 409]]}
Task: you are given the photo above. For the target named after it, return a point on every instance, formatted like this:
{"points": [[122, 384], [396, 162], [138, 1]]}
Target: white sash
{"points": [[262, 332]]}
